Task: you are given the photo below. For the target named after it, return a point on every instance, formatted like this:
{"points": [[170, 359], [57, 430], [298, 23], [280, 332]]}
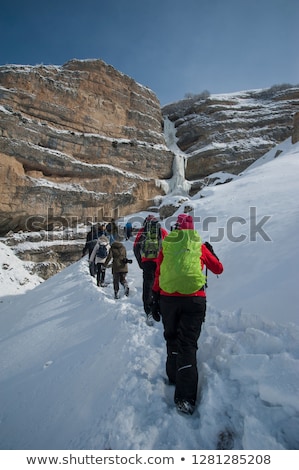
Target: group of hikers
{"points": [[103, 248], [174, 288]]}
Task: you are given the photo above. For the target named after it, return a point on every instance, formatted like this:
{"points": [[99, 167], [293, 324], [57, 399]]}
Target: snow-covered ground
{"points": [[81, 370], [14, 275]]}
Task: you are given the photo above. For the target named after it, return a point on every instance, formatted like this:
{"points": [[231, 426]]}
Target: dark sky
{"points": [[172, 46]]}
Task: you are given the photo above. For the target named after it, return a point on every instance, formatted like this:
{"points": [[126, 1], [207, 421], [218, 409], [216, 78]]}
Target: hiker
{"points": [[112, 230], [118, 254], [179, 297], [91, 240], [146, 247], [98, 257], [102, 230], [128, 230]]}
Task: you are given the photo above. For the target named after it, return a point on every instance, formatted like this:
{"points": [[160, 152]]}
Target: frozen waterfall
{"points": [[177, 185]]}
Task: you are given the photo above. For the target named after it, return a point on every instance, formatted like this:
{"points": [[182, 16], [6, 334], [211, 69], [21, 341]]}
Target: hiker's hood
{"points": [[103, 239], [117, 244], [185, 222]]}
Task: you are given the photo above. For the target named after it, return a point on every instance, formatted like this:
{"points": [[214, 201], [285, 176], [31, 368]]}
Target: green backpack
{"points": [[151, 240], [180, 270]]}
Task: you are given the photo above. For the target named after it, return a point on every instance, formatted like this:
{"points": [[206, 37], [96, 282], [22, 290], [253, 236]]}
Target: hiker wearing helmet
{"points": [[146, 249], [179, 296]]}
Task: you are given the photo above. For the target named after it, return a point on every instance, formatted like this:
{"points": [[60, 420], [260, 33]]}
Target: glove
{"points": [[156, 306]]}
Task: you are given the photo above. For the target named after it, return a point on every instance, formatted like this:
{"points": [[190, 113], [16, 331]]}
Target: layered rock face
{"points": [[229, 132], [78, 142], [46, 253], [83, 142], [295, 135]]}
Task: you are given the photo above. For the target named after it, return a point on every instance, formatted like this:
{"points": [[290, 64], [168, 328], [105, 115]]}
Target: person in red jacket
{"points": [[147, 261], [179, 296]]}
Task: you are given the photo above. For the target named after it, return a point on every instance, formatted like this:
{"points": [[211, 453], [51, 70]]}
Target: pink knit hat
{"points": [[185, 222]]}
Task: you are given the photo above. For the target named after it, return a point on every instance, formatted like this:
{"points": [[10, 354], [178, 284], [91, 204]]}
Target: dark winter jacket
{"points": [[118, 254], [91, 240]]}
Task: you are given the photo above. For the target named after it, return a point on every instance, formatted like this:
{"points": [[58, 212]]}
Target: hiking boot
{"points": [[127, 290], [116, 295], [149, 319], [184, 406]]}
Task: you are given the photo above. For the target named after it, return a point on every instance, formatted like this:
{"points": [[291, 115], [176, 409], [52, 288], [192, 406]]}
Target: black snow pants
{"points": [[182, 320], [149, 269]]}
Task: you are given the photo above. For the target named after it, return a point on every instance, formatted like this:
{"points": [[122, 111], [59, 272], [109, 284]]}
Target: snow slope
{"points": [[256, 220], [14, 276], [81, 370]]}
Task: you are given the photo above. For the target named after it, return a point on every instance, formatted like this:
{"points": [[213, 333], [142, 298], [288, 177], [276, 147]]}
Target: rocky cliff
{"points": [[78, 142], [83, 142], [229, 132], [295, 135]]}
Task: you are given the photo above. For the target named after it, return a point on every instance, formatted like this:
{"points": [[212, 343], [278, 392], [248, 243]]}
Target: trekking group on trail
{"points": [[103, 249], [173, 289]]}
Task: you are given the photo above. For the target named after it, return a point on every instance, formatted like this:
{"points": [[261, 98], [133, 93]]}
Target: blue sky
{"points": [[172, 46]]}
